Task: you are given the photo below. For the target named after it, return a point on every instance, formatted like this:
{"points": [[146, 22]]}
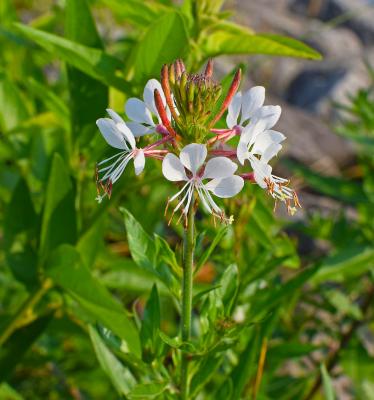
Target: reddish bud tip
{"points": [[162, 112], [209, 69], [166, 88], [230, 94]]}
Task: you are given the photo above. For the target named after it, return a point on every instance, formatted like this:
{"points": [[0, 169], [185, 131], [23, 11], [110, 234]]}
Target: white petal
{"points": [[149, 95], [269, 115], [173, 169], [111, 134], [252, 130], [219, 167], [270, 152], [138, 129], [122, 127], [261, 171], [252, 100], [193, 156], [234, 109], [226, 187], [265, 139], [115, 117], [242, 152], [138, 111], [139, 162]]}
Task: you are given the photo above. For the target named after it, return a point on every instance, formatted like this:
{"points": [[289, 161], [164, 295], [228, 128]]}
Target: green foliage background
{"points": [[89, 295]]}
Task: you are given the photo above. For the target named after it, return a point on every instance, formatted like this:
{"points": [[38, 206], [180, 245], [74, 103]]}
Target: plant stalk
{"points": [[24, 310], [188, 258]]}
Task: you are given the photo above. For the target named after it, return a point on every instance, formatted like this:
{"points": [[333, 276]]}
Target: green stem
{"points": [[24, 310], [188, 256]]}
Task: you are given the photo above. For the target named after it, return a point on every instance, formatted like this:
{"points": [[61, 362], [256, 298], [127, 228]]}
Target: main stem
{"points": [[188, 256]]}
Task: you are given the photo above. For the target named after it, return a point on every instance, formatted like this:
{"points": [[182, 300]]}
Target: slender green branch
{"points": [[24, 310], [188, 257]]}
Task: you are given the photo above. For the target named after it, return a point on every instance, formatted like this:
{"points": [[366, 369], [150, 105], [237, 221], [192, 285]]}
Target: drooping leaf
{"points": [[338, 188], [327, 384], [20, 341], [138, 12], [144, 391], [59, 218], [119, 375], [88, 97], [94, 62], [67, 271], [242, 41], [20, 225], [51, 100], [347, 263], [12, 107]]}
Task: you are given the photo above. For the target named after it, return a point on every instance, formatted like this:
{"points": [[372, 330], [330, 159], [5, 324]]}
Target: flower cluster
{"points": [[181, 112]]}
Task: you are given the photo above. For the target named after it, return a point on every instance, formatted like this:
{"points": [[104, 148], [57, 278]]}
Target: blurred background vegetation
{"points": [[303, 293]]}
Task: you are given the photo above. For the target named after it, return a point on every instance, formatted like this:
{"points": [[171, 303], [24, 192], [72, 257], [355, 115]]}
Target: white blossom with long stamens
{"points": [[143, 113], [118, 135], [259, 145], [219, 171]]}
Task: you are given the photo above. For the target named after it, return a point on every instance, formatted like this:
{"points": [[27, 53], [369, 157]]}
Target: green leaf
{"points": [[138, 12], [51, 100], [140, 243], [347, 263], [274, 296], [120, 376], [165, 252], [344, 304], [144, 391], [59, 218], [208, 252], [146, 255], [88, 97], [243, 371], [229, 284], [12, 107], [8, 393], [19, 343], [95, 63], [155, 48], [149, 332], [338, 188], [243, 41], [89, 243], [204, 372], [20, 224], [66, 270], [327, 384]]}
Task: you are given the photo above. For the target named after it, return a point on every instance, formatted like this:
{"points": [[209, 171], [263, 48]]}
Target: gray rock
{"points": [[357, 15]]}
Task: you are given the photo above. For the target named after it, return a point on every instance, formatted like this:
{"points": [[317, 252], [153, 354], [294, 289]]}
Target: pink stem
{"points": [[224, 153], [159, 142]]}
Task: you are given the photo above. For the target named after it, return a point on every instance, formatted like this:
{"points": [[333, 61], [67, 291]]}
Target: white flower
{"points": [[259, 147], [247, 111], [142, 113], [118, 135], [220, 170]]}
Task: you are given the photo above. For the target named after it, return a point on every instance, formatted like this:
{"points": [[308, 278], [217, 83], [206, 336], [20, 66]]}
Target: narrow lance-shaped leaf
{"points": [[222, 41], [19, 230], [120, 376], [59, 218], [67, 271], [149, 333], [88, 97], [155, 48], [94, 62]]}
